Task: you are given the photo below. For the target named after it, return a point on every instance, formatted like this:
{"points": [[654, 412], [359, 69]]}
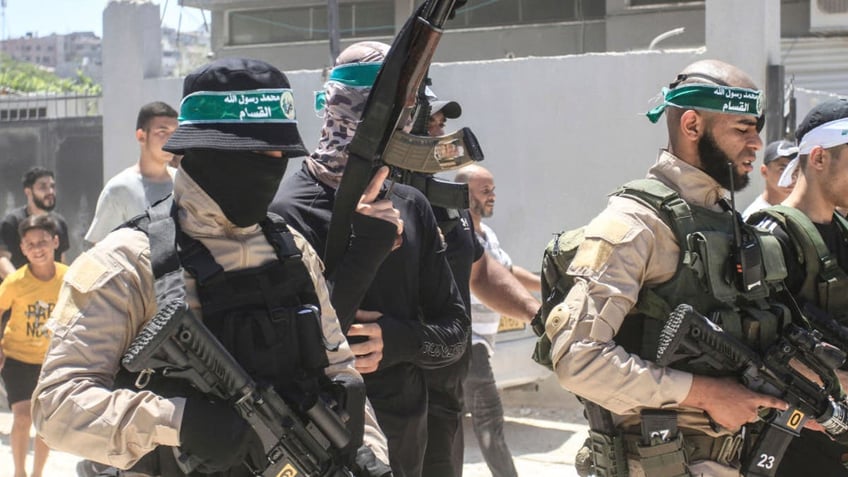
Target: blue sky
{"points": [[66, 16]]}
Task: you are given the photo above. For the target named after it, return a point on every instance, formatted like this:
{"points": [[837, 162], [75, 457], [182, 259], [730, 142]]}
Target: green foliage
{"points": [[26, 77]]}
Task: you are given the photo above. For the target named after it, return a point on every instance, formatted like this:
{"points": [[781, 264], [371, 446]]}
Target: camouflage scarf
{"points": [[342, 114], [344, 103]]}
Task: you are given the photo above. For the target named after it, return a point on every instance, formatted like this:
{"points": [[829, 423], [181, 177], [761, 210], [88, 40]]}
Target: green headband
{"points": [[357, 75], [722, 99], [251, 106]]}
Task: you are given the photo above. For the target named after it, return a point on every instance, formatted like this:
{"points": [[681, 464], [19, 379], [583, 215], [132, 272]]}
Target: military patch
{"points": [[612, 231], [592, 254], [65, 312], [602, 235], [88, 273]]}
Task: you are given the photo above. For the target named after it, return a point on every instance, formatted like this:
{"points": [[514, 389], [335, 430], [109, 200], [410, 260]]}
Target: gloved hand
{"points": [[366, 464], [214, 435]]}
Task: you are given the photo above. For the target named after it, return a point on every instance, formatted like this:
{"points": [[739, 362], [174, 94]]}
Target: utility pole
{"points": [[3, 19], [333, 27]]}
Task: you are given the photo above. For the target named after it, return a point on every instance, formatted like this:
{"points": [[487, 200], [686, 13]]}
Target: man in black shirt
{"points": [[40, 189], [394, 290], [474, 270], [815, 245]]}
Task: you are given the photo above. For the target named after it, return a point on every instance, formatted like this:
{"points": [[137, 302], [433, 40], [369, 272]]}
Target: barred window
{"points": [[642, 3], [285, 25], [486, 13]]}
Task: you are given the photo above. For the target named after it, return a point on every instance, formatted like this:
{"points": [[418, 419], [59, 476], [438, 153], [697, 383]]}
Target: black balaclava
{"points": [[242, 183]]}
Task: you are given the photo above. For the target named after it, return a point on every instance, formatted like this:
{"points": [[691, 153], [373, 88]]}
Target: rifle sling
{"points": [[357, 174]]}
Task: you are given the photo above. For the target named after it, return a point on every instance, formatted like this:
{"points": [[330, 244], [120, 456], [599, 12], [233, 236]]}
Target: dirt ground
{"points": [[544, 428]]}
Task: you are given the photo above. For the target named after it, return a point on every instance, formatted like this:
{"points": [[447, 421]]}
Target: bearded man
{"points": [[40, 190], [679, 420]]}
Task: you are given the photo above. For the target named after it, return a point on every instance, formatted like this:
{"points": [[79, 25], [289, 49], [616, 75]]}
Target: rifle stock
{"points": [[178, 345], [393, 93], [691, 337]]}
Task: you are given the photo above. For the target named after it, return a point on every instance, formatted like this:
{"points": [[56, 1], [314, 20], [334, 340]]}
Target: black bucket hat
{"points": [[237, 104]]}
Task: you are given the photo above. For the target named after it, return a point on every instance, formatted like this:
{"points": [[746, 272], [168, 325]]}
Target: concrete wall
{"points": [[553, 39], [634, 29], [625, 28], [456, 45], [559, 133], [132, 52], [72, 149]]}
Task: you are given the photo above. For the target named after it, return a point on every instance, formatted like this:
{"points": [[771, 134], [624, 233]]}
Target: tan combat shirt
{"points": [[627, 247], [107, 298]]}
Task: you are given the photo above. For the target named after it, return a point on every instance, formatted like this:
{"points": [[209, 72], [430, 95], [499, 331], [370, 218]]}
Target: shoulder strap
{"points": [[666, 201], [819, 260], [159, 225], [158, 222], [677, 214], [842, 222], [280, 237]]}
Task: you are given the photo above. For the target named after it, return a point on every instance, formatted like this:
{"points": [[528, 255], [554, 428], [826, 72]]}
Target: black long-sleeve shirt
{"points": [[424, 323], [445, 384]]}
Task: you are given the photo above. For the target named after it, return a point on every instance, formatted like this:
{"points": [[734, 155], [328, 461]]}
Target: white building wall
{"points": [[132, 53], [559, 133]]}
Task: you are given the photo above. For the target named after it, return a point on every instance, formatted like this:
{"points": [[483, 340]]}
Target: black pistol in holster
{"points": [[692, 339], [310, 440]]}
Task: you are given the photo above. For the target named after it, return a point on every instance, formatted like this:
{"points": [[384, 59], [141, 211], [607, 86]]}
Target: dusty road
{"points": [[542, 444]]}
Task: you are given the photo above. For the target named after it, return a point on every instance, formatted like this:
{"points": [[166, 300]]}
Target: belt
{"points": [[726, 450]]}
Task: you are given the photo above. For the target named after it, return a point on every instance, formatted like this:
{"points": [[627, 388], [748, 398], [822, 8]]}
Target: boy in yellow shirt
{"points": [[30, 293]]}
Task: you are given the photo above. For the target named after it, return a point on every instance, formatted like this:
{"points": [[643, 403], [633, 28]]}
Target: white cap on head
{"points": [[451, 109], [827, 135]]}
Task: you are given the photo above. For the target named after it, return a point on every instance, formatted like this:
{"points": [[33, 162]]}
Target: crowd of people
{"points": [[410, 313]]}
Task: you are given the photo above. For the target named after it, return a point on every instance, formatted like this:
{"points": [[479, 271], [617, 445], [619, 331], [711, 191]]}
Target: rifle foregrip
{"points": [[159, 329]]}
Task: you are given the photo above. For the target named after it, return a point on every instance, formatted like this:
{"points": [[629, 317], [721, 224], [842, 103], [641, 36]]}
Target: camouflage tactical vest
{"points": [[705, 276], [825, 283]]}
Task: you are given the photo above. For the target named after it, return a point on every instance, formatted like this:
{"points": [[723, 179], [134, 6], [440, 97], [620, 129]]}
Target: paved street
{"points": [[544, 429]]}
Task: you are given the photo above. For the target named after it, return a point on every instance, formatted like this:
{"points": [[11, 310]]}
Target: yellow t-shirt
{"points": [[31, 301]]}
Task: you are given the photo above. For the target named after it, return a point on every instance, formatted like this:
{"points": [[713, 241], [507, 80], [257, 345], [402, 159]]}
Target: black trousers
{"points": [[445, 443], [445, 446], [813, 454]]}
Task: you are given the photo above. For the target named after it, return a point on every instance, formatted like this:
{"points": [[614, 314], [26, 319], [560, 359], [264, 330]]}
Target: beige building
{"points": [[44, 51], [64, 54]]}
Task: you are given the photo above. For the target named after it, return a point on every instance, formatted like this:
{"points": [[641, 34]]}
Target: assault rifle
{"points": [[692, 338], [178, 345], [391, 97], [415, 158], [832, 330]]}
